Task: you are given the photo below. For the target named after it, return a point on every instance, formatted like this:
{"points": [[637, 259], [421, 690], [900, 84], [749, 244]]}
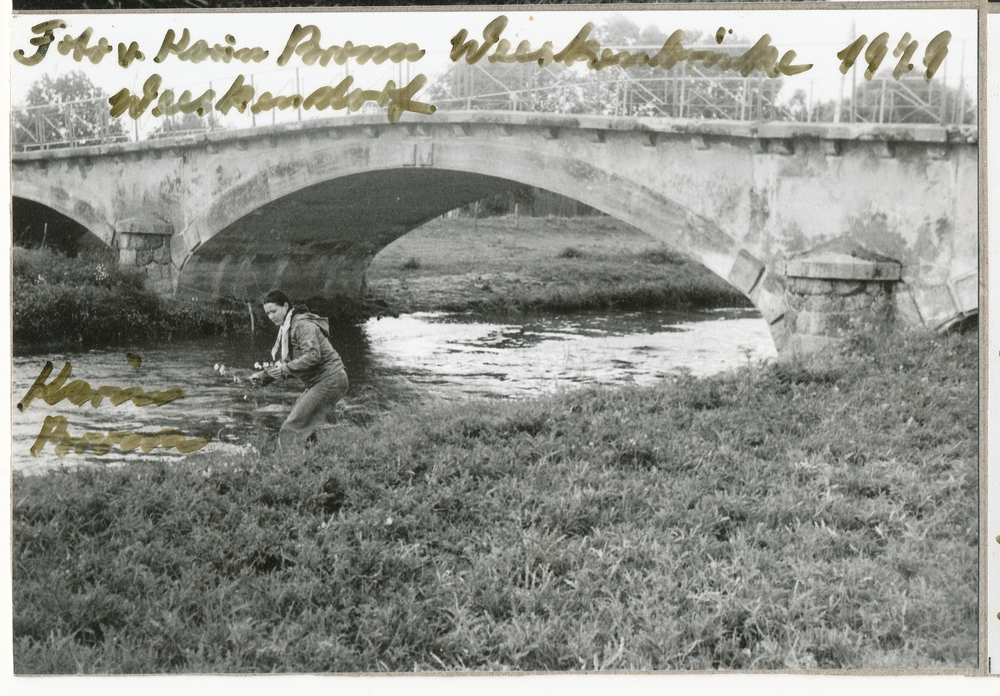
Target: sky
{"points": [[815, 35]]}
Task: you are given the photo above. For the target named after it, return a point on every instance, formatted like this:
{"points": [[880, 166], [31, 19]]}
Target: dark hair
{"points": [[277, 297]]}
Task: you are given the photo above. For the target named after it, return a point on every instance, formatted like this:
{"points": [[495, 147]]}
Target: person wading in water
{"points": [[303, 350]]}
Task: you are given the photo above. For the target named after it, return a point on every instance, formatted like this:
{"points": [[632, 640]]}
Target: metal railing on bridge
{"points": [[683, 92]]}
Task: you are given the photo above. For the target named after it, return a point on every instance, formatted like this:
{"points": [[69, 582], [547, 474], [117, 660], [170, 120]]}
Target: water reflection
{"points": [[414, 357]]}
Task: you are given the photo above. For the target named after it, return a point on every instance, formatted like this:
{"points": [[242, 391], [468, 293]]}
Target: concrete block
{"points": [[840, 322], [935, 304], [854, 303], [841, 267], [129, 241], [838, 303], [144, 225], [848, 287], [906, 309], [822, 303], [746, 271], [810, 286], [794, 301], [781, 333], [813, 323], [799, 344], [966, 292], [769, 297]]}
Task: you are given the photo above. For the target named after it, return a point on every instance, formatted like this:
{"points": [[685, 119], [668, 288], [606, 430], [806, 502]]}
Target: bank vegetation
{"points": [[796, 515], [87, 301]]}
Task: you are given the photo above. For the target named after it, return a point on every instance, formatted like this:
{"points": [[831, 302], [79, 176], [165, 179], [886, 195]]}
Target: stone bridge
{"points": [[822, 226]]}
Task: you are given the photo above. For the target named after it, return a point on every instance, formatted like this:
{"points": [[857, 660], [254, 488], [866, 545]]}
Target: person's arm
{"points": [[306, 338]]}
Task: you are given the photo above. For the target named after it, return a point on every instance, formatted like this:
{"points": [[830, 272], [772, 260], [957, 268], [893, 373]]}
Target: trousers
{"points": [[311, 409]]}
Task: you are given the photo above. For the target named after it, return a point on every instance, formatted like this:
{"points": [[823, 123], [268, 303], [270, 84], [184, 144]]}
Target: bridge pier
{"points": [[144, 243], [828, 294]]}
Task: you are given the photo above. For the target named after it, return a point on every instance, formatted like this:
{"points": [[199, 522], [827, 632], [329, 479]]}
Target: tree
{"points": [[71, 87], [618, 31], [67, 111]]}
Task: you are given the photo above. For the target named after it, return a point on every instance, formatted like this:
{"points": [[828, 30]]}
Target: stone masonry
{"points": [[145, 243], [828, 295]]}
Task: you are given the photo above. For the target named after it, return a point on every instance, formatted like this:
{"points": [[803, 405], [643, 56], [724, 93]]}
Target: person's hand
{"points": [[276, 371]]}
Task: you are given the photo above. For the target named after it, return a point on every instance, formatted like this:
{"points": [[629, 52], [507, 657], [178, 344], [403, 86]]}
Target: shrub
{"points": [[91, 302]]}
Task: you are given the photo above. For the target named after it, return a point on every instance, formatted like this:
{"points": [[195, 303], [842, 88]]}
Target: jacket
{"points": [[311, 357]]}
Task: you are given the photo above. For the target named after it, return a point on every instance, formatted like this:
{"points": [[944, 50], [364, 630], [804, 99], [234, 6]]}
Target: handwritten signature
{"points": [[396, 100], [79, 392], [55, 429]]}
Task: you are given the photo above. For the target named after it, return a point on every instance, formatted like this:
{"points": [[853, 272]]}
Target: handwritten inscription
{"points": [[79, 392], [762, 56], [305, 42], [55, 429], [201, 51], [935, 54], [396, 100], [310, 51], [41, 43]]}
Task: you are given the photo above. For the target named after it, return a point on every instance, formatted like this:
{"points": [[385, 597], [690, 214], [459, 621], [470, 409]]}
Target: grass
{"points": [[539, 264], [812, 515]]}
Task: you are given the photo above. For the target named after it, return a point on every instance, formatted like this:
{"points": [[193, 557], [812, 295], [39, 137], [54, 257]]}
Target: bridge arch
{"points": [[462, 170], [68, 204]]}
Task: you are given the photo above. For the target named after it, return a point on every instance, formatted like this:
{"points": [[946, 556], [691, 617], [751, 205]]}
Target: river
{"points": [[418, 357]]}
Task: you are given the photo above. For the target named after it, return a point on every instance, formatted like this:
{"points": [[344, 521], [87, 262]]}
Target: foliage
{"points": [[808, 515], [68, 110], [71, 87], [502, 265], [89, 301]]}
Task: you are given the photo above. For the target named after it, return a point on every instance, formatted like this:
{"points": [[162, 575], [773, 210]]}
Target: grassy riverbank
{"points": [[89, 302], [539, 264], [791, 516]]}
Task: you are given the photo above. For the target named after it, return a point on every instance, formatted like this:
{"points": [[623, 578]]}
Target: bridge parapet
{"points": [[553, 124]]}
